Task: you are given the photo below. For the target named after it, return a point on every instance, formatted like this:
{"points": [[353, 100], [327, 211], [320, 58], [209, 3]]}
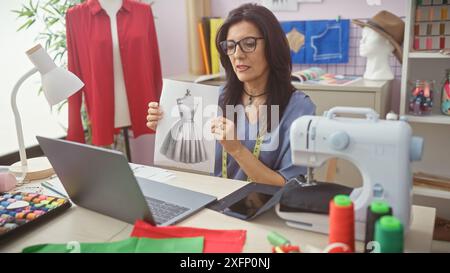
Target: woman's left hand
{"points": [[224, 131]]}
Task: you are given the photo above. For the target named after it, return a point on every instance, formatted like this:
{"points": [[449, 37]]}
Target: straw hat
{"points": [[388, 25]]}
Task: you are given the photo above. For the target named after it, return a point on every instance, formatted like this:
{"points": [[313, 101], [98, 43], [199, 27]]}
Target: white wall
{"points": [[35, 112], [327, 9], [171, 28]]}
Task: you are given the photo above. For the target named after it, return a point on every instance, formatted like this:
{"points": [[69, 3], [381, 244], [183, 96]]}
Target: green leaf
{"points": [[44, 8], [53, 21], [27, 24], [57, 10], [16, 11]]}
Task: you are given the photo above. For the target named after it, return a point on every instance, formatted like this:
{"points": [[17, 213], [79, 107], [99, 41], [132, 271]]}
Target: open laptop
{"points": [[102, 180]]}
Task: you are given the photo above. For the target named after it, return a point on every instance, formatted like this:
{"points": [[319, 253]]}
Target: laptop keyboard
{"points": [[162, 211]]}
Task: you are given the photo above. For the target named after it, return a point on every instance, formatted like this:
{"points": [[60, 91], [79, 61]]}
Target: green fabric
{"points": [[131, 245]]}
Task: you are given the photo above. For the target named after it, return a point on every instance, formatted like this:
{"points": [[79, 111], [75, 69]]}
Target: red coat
{"points": [[90, 57]]}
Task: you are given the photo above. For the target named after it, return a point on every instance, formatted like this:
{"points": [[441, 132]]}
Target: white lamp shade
{"points": [[59, 84]]}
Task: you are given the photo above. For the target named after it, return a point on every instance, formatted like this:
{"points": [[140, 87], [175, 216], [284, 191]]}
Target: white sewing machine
{"points": [[381, 149]]}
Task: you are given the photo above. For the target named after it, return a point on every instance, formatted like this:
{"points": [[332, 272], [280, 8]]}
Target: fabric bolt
{"points": [[445, 13], [275, 148], [416, 43], [130, 245], [90, 57], [215, 241]]}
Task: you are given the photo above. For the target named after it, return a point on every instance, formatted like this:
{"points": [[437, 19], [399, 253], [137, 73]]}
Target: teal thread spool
{"points": [[389, 234]]}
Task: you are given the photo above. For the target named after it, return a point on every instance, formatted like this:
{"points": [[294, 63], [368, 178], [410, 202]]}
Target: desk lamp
{"points": [[58, 84]]}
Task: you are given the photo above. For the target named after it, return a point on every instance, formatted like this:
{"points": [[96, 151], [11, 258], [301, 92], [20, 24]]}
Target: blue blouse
{"points": [[275, 148]]}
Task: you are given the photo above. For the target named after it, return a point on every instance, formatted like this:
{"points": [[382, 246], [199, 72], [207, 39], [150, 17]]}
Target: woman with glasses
{"points": [[258, 101]]}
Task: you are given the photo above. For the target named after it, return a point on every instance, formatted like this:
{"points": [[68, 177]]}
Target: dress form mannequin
{"points": [[377, 49], [121, 111]]}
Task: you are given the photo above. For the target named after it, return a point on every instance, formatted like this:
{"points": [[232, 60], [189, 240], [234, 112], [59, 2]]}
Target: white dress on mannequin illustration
{"points": [[121, 111], [183, 142], [377, 49]]}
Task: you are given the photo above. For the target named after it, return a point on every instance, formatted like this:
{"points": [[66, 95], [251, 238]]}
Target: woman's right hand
{"points": [[154, 115]]}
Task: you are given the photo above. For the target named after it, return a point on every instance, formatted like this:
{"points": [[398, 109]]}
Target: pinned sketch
{"points": [[373, 2], [320, 42], [296, 40], [281, 5], [183, 137], [295, 34], [327, 41]]}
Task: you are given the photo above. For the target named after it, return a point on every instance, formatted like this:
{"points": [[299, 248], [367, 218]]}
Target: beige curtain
{"points": [[196, 9]]}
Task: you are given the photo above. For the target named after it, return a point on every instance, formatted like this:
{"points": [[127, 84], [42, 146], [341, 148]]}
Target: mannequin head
{"points": [[373, 44], [377, 49]]}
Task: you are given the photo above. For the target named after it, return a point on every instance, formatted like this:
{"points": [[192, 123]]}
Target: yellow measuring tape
{"points": [[256, 152]]}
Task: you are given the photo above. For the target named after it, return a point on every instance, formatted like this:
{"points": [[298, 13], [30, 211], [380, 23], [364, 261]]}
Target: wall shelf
{"points": [[428, 55], [424, 65], [434, 119], [430, 192], [421, 65]]}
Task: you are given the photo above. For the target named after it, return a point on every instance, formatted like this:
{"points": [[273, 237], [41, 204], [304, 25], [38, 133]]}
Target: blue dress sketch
{"points": [[182, 143]]}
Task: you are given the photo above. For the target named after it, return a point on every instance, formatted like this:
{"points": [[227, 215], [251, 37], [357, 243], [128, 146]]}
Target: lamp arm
{"points": [[22, 152]]}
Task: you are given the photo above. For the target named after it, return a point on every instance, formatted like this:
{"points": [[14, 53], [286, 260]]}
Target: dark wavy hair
{"points": [[277, 54]]}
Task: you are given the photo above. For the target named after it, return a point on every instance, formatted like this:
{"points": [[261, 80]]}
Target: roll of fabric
{"points": [[196, 9]]}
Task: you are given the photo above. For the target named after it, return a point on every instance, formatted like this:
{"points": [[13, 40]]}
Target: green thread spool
{"points": [[375, 211], [389, 234], [276, 239], [342, 200]]}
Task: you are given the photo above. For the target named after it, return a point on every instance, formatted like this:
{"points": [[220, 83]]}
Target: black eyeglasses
{"points": [[247, 45]]}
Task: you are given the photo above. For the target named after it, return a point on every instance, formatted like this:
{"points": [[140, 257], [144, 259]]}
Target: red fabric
{"points": [[216, 241], [90, 57]]}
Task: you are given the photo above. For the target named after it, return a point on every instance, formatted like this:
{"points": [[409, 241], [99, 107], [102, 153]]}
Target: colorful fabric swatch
{"points": [[432, 25], [215, 241], [130, 245]]}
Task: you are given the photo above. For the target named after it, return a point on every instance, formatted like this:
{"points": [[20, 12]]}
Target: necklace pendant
{"points": [[250, 100]]}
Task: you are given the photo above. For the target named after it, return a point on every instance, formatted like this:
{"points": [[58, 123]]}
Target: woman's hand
{"points": [[224, 131], [154, 115]]}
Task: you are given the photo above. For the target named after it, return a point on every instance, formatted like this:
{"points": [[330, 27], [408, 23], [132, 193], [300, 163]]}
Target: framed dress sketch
{"points": [[183, 136]]}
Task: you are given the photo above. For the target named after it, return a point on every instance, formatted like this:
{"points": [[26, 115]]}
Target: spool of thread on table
{"points": [[276, 239], [389, 234], [342, 223], [375, 211]]}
